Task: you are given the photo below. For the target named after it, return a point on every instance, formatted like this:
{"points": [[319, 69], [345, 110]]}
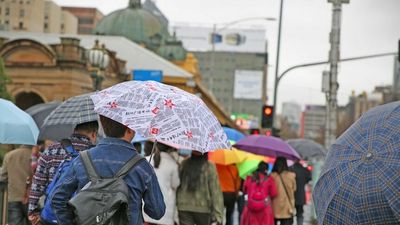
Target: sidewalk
{"points": [[307, 216]]}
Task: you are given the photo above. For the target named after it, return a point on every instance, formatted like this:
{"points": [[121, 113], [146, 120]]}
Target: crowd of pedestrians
{"points": [[174, 189]]}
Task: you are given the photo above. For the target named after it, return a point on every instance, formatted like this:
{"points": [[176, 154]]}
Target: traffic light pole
{"points": [[279, 78]]}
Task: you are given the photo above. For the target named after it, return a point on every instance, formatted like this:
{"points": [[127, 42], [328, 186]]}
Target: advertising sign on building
{"points": [[144, 75], [248, 84]]}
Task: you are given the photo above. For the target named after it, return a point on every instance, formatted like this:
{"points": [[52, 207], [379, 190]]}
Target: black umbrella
{"points": [[39, 112], [307, 149], [62, 120]]}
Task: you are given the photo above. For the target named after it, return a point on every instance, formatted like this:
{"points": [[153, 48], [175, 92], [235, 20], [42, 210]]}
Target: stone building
{"points": [[43, 72]]}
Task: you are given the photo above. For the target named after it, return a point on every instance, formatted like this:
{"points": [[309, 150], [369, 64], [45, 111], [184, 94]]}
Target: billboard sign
{"points": [[248, 84], [144, 75]]}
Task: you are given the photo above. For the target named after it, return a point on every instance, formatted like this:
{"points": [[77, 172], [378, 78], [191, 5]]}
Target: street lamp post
{"points": [[99, 60]]}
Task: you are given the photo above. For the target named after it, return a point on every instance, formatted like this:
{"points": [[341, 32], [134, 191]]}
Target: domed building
{"points": [[136, 24]]}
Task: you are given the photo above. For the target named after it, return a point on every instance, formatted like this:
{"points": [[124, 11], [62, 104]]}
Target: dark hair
{"points": [[92, 126], [160, 147], [112, 128], [192, 168], [148, 146], [280, 165], [261, 169], [138, 147]]}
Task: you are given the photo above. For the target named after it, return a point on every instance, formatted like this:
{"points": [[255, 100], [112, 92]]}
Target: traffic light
{"points": [[255, 131], [267, 116]]}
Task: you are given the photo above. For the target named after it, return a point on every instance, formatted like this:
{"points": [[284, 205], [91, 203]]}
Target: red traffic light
{"points": [[268, 111], [268, 133]]}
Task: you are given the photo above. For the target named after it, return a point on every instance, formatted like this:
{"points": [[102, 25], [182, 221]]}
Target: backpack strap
{"points": [[66, 144], [128, 166], [90, 170]]}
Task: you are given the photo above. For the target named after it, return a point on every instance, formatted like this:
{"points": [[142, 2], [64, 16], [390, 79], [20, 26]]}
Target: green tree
{"points": [[4, 80]]}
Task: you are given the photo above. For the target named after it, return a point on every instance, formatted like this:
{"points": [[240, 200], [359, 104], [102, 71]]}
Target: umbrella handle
{"points": [[153, 150]]}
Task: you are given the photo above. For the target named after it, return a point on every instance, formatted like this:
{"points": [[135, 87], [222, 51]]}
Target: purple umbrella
{"points": [[267, 145]]}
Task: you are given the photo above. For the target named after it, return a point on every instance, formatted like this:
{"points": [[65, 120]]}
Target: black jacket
{"points": [[303, 176]]}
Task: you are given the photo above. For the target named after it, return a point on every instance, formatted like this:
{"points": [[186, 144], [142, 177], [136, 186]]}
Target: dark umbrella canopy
{"points": [[39, 112], [267, 145], [62, 121], [307, 149], [360, 183]]}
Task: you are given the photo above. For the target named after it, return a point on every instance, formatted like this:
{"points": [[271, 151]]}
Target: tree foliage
{"points": [[4, 80]]}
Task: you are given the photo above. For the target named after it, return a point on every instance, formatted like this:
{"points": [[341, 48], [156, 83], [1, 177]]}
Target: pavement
{"points": [[307, 216]]}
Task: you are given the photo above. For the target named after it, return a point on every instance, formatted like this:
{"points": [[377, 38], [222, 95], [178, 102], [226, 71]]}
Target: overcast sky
{"points": [[368, 27]]}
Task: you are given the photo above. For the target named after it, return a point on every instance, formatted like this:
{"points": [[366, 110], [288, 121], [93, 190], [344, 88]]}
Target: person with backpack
{"points": [[111, 181], [83, 137], [259, 190], [199, 197], [167, 172], [283, 204]]}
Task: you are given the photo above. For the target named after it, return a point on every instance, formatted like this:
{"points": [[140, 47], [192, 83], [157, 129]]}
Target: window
{"points": [[21, 25], [85, 21], [7, 22], [7, 11], [21, 13], [46, 26]]}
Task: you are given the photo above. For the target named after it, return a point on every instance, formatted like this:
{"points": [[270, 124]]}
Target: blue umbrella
{"points": [[138, 138], [233, 135], [360, 182], [16, 126]]}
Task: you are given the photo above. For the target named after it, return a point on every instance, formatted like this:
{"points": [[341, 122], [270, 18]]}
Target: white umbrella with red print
{"points": [[163, 113]]}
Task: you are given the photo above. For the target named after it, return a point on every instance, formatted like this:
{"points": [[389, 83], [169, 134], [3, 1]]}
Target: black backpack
{"points": [[103, 200]]}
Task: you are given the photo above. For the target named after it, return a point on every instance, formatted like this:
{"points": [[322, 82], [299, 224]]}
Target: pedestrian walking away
{"points": [[199, 197], [15, 171], [283, 203], [230, 185], [303, 176], [107, 158], [83, 137], [167, 173], [259, 190]]}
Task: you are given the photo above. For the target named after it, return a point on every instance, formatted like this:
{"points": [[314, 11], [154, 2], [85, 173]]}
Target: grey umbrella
{"points": [[307, 149], [40, 111], [62, 121]]}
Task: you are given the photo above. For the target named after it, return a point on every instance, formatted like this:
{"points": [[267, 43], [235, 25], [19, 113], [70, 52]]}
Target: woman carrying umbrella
{"points": [[167, 173], [260, 189], [283, 204], [199, 197]]}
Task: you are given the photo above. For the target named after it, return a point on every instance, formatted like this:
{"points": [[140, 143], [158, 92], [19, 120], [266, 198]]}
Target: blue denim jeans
{"points": [[17, 213]]}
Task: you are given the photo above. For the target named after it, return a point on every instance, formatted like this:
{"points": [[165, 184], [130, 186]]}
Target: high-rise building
{"points": [[87, 18], [231, 70], [291, 112], [313, 122], [36, 16]]}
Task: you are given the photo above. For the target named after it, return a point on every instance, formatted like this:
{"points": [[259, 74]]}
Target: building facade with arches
{"points": [[43, 72]]}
